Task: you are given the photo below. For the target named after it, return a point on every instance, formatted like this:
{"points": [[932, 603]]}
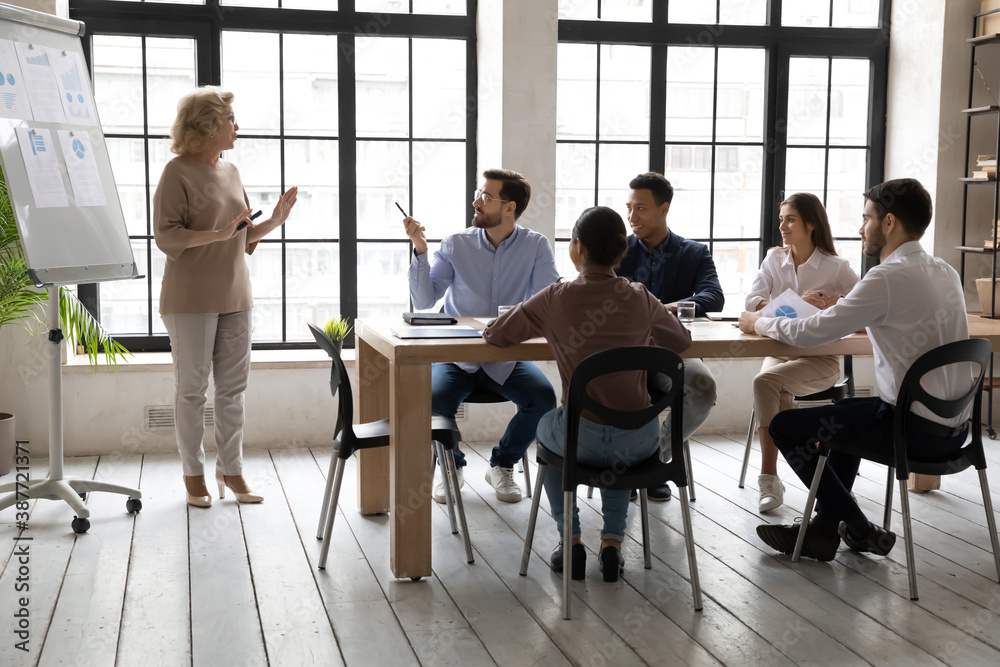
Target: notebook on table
{"points": [[460, 331]]}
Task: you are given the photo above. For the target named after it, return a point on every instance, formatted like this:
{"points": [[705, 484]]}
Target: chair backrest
{"points": [[976, 351], [639, 358], [340, 389], [849, 374]]}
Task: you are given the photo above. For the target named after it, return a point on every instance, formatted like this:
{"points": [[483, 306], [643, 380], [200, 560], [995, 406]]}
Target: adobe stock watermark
{"points": [[21, 558]]}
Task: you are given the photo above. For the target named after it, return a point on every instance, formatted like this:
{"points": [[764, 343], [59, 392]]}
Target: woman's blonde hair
{"points": [[199, 115]]}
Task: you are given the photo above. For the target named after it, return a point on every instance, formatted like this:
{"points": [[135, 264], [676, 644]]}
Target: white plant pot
{"points": [[985, 296]]}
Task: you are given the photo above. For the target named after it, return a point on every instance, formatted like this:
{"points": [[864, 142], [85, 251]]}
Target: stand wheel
{"points": [[83, 496], [133, 505], [80, 526], [415, 578], [990, 431]]}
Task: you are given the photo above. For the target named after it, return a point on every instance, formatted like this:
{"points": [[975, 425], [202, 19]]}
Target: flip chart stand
{"points": [[56, 486]]}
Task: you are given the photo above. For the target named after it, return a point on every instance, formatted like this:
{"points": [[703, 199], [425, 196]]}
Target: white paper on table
{"points": [[78, 152], [43, 167], [13, 93], [789, 304], [73, 90], [40, 80]]}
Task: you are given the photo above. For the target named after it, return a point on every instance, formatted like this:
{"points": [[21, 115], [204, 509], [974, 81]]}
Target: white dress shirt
{"points": [[777, 273], [910, 304]]}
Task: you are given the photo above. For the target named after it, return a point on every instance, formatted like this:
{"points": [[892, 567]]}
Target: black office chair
{"points": [[835, 394], [976, 351], [483, 395], [640, 475], [352, 437]]}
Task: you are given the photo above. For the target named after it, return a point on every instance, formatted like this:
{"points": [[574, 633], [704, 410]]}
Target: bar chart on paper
{"points": [[74, 94]]}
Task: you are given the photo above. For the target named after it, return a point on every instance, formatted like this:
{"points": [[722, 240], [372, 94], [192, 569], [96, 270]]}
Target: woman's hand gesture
{"points": [[285, 204]]}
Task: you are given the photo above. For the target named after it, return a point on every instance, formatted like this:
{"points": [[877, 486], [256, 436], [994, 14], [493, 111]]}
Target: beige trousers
{"points": [[780, 380], [216, 343]]}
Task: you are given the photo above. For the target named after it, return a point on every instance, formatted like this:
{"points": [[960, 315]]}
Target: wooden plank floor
{"points": [[238, 585]]}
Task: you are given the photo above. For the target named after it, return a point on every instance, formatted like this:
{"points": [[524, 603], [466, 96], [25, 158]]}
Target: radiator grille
{"points": [[161, 417]]}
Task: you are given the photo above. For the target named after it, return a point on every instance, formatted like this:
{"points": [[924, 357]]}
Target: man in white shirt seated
{"points": [[910, 304]]}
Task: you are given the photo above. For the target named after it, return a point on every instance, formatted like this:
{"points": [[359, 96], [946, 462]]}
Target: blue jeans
{"points": [[596, 445], [526, 387]]}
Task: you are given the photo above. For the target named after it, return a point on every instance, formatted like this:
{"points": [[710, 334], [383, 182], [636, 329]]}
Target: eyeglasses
{"points": [[486, 197]]}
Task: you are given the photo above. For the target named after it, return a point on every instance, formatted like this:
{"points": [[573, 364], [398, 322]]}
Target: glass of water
{"points": [[685, 311]]}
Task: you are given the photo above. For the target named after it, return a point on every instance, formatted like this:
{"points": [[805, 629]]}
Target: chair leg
{"points": [[332, 513], [530, 536], [746, 454], [810, 501], [326, 492], [689, 543], [990, 521], [527, 474], [568, 506], [446, 461], [590, 492], [911, 566], [887, 516], [687, 466], [644, 512], [453, 483]]}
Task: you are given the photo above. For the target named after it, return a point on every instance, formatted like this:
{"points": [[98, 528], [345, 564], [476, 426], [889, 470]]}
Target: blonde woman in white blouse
{"points": [[808, 264]]}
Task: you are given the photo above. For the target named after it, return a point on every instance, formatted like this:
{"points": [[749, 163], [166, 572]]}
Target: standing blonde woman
{"points": [[808, 264], [199, 211]]}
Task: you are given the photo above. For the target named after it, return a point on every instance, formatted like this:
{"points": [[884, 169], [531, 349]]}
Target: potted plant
{"points": [[337, 329], [20, 301]]}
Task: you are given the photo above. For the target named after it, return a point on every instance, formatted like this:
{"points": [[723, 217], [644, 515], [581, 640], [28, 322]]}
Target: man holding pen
{"points": [[493, 263]]}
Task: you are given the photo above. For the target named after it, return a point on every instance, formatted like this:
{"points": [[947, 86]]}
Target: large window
{"points": [[738, 105], [382, 87]]}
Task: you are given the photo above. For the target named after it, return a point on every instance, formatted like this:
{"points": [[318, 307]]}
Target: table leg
{"points": [[373, 404], [411, 471]]}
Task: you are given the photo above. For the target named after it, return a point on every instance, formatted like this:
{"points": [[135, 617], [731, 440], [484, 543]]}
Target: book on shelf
{"points": [[984, 175], [989, 24], [986, 159]]}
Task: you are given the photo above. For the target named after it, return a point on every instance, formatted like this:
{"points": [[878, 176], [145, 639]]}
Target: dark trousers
{"points": [[859, 421]]}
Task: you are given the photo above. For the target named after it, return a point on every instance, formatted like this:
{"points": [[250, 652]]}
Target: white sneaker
{"points": [[772, 492], [502, 480], [439, 487]]}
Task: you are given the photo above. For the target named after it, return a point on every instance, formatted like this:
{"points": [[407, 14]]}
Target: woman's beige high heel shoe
{"points": [[197, 491], [238, 486]]}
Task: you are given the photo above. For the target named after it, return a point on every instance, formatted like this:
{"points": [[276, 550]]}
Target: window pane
{"points": [[740, 105], [851, 251], [814, 13], [383, 178], [855, 13], [438, 88], [314, 167], [159, 155], [383, 290], [250, 71], [439, 7], [804, 171], [743, 12], [309, 4], [118, 83], [624, 92], [845, 184], [310, 84], [170, 74], [738, 184], [440, 201], [396, 6], [578, 9], [618, 165], [627, 10], [313, 286], [564, 265], [259, 162], [124, 305], [737, 264], [807, 100], [382, 87], [265, 277], [690, 84], [692, 180], [128, 162], [575, 165], [849, 102], [691, 12], [576, 91], [249, 3]]}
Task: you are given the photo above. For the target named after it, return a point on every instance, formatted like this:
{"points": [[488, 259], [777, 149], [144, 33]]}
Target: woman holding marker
{"points": [[202, 223], [808, 264]]}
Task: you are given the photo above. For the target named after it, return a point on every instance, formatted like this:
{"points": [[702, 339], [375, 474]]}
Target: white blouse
{"points": [[777, 273]]}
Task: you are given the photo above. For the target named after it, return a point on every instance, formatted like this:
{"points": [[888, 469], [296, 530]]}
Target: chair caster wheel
{"points": [[80, 526], [415, 578], [133, 505]]}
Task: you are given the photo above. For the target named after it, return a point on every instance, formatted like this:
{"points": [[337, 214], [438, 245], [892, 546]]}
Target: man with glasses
{"points": [[493, 263]]}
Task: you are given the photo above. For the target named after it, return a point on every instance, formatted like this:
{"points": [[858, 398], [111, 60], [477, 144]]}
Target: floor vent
{"points": [[161, 417], [460, 413]]}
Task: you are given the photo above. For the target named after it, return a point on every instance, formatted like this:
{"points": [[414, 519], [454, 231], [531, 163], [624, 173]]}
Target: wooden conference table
{"points": [[394, 381]]}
